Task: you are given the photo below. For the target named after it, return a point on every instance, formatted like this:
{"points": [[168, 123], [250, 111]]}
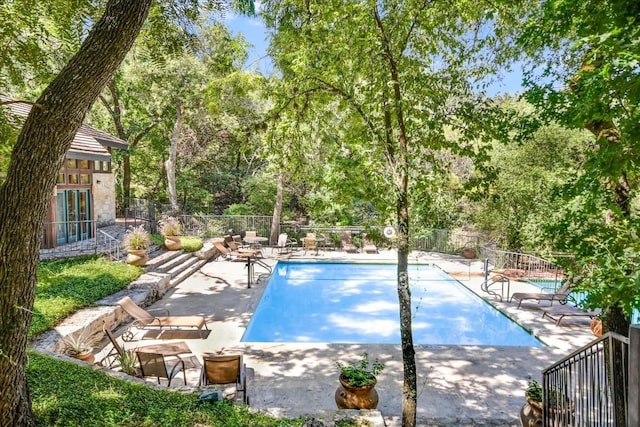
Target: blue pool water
{"points": [[358, 303]]}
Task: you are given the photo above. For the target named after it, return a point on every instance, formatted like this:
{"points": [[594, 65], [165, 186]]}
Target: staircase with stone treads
{"points": [[177, 264]]}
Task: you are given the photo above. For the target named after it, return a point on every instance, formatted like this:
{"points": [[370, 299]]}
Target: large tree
{"points": [[398, 76], [585, 75], [36, 158], [586, 55]]}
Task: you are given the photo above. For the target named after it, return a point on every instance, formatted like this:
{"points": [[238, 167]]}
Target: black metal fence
{"points": [[588, 388]]}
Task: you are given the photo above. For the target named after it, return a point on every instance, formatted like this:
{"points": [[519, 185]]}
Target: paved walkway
{"points": [[457, 385]]}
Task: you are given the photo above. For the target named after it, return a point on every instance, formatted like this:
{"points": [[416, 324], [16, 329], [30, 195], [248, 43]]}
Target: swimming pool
{"points": [[358, 303]]}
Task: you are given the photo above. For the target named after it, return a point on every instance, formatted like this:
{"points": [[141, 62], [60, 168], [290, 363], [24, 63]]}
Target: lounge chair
{"points": [[159, 366], [225, 370], [560, 295], [231, 244], [238, 241], [368, 246], [173, 348], [229, 253], [143, 319], [558, 313], [347, 244]]}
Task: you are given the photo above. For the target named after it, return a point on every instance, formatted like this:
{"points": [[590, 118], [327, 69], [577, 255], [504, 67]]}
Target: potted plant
{"points": [[80, 346], [533, 396], [357, 384], [170, 228], [136, 241], [560, 407]]}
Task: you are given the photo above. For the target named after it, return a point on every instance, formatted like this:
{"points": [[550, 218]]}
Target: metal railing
{"points": [[109, 245], [527, 266], [588, 388]]}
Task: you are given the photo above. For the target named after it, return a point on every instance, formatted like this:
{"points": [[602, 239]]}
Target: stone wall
{"points": [[104, 198]]}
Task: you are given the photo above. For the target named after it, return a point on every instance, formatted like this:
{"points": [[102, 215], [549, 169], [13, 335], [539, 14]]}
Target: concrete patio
{"points": [[457, 385]]}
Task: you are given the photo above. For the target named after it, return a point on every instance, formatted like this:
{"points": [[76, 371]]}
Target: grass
{"points": [[66, 394], [189, 243], [67, 285]]}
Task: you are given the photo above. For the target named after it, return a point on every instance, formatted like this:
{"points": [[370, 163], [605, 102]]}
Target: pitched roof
{"points": [[88, 144]]}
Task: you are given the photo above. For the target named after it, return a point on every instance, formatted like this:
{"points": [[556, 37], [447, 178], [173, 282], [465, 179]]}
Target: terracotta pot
{"points": [[536, 407], [137, 257], [596, 327], [469, 253], [352, 397], [87, 356], [172, 243], [529, 417]]}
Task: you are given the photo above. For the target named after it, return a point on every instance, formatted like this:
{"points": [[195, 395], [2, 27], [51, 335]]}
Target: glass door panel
{"points": [[72, 215], [84, 213], [61, 218]]}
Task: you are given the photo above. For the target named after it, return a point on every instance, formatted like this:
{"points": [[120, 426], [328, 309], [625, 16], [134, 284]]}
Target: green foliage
{"points": [[65, 286], [191, 243], [238, 209], [67, 394], [517, 202], [157, 239], [584, 74], [360, 373], [533, 391]]}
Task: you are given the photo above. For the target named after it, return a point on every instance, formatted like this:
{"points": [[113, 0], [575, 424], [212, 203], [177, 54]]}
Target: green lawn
{"points": [[65, 394], [66, 285]]}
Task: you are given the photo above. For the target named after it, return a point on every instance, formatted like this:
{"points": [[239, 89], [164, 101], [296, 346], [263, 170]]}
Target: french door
{"points": [[73, 215]]}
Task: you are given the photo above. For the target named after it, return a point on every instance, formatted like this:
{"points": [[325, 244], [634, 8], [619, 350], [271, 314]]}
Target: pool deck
{"points": [[457, 385]]}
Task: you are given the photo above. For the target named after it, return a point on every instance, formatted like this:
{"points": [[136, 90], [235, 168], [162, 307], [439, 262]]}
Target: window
{"points": [[72, 163]]}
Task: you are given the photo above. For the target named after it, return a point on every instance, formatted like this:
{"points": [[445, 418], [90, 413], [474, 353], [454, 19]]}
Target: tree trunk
{"points": [[35, 161], [401, 159], [170, 163], [277, 209]]}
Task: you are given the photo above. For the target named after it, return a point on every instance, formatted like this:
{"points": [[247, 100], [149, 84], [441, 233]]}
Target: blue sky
{"points": [[254, 31]]}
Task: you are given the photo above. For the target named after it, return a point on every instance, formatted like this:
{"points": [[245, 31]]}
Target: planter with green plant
{"points": [[80, 345], [357, 384], [170, 228], [560, 410], [136, 241], [533, 396]]}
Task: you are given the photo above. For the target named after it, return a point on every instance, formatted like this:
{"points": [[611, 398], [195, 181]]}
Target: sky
{"points": [[255, 32]]}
